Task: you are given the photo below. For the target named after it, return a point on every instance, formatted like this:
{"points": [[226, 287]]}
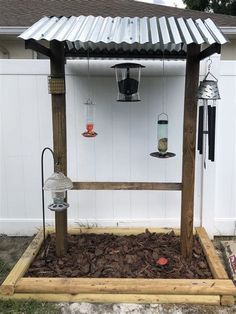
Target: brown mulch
{"points": [[108, 255]]}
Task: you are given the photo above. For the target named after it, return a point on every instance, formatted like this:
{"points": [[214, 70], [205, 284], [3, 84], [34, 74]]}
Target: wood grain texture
{"points": [[162, 186], [126, 286], [57, 63], [227, 300], [217, 268], [21, 267], [189, 144], [118, 298]]}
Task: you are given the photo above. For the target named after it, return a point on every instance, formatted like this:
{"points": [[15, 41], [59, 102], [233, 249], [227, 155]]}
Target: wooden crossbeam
{"points": [[161, 186], [127, 54], [214, 48], [36, 46]]}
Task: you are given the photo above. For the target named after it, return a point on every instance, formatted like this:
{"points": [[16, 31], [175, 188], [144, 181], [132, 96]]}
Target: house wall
{"points": [[120, 152], [228, 51], [11, 48]]}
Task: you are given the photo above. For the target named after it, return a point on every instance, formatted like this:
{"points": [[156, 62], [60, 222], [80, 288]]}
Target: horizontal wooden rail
{"points": [[117, 298], [161, 186], [126, 285]]}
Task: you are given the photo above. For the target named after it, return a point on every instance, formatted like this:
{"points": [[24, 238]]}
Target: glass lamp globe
{"points": [[58, 184]]}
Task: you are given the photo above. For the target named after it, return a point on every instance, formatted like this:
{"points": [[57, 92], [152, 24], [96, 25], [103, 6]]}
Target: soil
{"points": [[11, 249], [108, 255]]}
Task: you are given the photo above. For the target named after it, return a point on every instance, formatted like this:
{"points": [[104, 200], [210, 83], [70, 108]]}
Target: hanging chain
{"points": [[209, 65]]}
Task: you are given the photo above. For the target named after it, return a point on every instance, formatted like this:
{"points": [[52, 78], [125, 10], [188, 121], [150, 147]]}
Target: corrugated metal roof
{"points": [[125, 33]]}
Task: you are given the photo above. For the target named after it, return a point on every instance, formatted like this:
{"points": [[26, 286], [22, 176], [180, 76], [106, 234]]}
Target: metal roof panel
{"points": [[125, 33]]}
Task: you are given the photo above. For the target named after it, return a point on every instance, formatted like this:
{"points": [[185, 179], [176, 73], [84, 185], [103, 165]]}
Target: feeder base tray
{"points": [[159, 155], [88, 134]]}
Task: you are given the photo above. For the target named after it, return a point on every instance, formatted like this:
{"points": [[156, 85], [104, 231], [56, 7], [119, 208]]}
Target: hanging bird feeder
{"points": [[162, 127], [89, 109], [89, 113], [208, 92], [58, 184], [162, 137], [128, 79]]}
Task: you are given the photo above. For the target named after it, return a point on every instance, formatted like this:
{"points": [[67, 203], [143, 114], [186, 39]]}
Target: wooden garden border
{"points": [[219, 290]]}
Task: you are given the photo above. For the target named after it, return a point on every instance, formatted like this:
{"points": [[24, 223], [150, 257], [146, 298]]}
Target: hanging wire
{"points": [[209, 61], [88, 78], [163, 83]]}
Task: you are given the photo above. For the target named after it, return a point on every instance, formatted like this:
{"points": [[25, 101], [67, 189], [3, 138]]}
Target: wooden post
{"points": [[189, 143], [59, 137]]}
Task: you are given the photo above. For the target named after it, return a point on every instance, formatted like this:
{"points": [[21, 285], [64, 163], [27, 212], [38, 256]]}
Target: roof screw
{"points": [[42, 35], [131, 38], [108, 37]]}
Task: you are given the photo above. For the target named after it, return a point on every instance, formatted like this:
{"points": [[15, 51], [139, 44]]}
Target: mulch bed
{"points": [[108, 255]]}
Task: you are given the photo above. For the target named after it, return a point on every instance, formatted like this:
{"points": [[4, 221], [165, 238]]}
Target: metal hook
{"points": [[163, 114], [209, 65]]}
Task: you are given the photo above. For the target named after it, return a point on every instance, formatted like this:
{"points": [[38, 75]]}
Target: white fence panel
{"points": [[120, 152]]}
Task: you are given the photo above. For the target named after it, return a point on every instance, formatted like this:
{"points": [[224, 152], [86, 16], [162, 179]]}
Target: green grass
{"points": [[4, 270], [27, 307]]}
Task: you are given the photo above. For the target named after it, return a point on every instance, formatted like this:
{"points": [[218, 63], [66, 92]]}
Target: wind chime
{"points": [[89, 110], [208, 92], [162, 126]]}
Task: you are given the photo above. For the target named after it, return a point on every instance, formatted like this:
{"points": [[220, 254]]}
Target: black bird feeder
{"points": [[128, 79]]}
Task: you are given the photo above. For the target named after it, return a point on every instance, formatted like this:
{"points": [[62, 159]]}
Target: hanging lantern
{"points": [[58, 184], [128, 78], [208, 92], [89, 113]]}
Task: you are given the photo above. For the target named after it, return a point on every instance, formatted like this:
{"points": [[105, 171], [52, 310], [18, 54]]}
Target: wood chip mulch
{"points": [[108, 255]]}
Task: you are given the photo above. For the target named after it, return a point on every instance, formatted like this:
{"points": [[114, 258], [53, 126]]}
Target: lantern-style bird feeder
{"points": [[162, 137], [58, 184], [128, 78], [90, 114], [208, 92]]}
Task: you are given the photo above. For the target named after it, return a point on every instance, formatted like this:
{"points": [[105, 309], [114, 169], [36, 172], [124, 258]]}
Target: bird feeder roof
{"points": [[149, 34]]}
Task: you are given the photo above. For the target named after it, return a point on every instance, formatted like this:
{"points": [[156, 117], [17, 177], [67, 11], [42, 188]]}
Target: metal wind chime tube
{"points": [[208, 92]]}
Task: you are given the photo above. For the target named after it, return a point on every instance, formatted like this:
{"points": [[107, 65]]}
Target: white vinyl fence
{"points": [[120, 152]]}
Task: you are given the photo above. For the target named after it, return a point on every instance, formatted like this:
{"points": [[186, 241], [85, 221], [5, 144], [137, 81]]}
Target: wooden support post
{"points": [[189, 142], [57, 59]]}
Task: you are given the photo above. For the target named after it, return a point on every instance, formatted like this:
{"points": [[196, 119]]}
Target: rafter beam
{"points": [[127, 54], [34, 45], [214, 48]]}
